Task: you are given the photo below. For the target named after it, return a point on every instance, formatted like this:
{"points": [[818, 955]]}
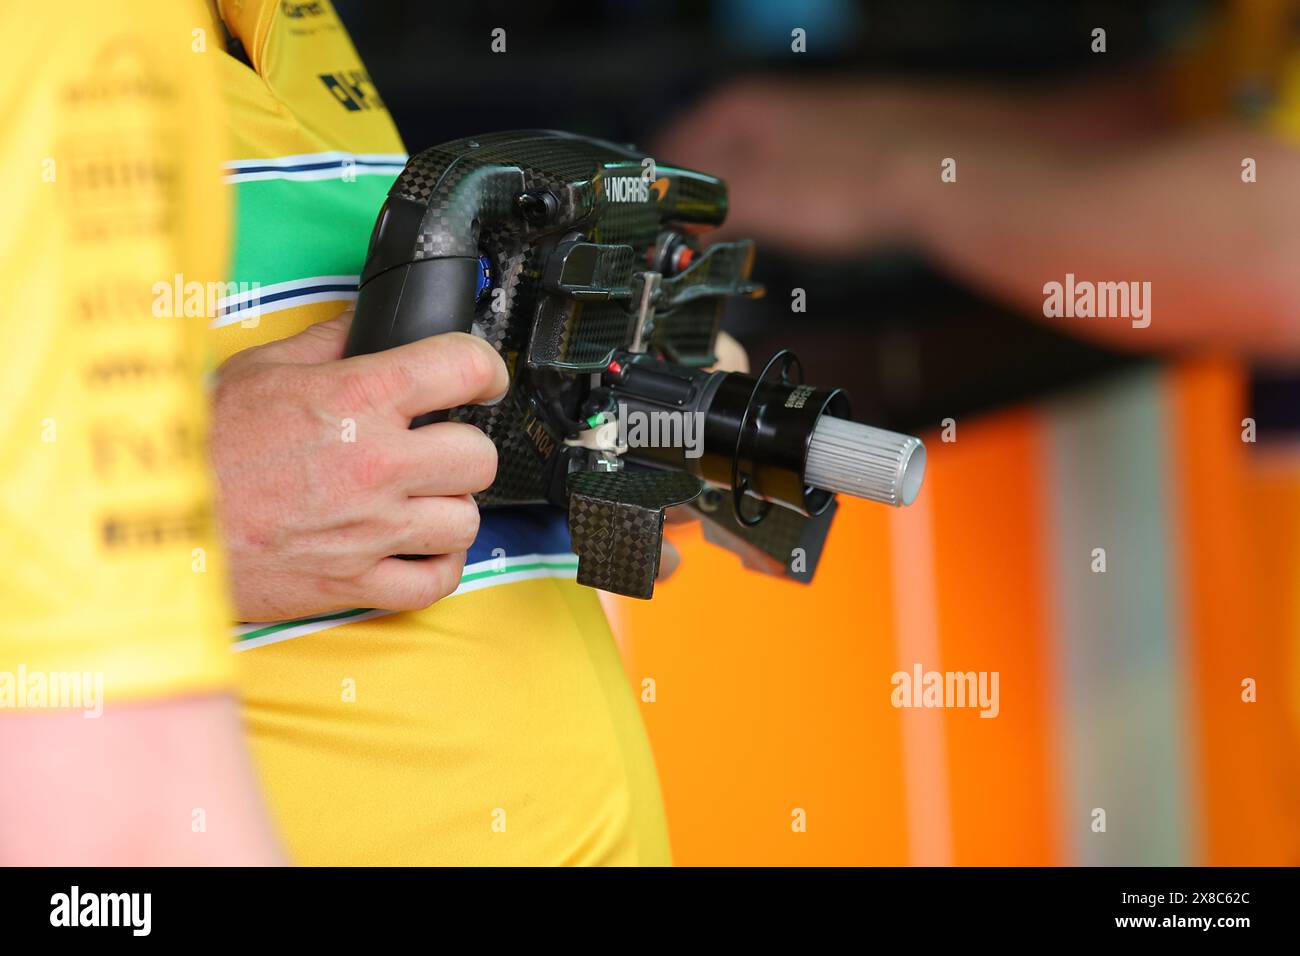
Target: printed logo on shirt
{"points": [[156, 529], [296, 11], [353, 89]]}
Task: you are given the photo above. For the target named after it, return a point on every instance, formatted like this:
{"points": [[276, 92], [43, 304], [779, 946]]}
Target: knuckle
{"points": [[240, 380], [375, 387], [247, 359], [229, 370], [450, 528], [391, 380], [464, 525], [478, 364], [482, 462], [450, 570], [440, 579], [350, 390], [366, 466]]}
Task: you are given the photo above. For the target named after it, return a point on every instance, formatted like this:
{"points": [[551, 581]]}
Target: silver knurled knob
{"points": [[854, 459]]}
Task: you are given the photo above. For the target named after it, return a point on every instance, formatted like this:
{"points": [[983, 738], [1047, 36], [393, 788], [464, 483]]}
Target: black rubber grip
{"points": [[411, 302]]}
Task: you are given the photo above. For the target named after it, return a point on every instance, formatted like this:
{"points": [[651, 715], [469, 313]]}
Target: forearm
{"points": [[1220, 254], [1128, 108], [167, 783]]}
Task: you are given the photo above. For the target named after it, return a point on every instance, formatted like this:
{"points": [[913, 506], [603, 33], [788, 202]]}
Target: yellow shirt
{"points": [[113, 189], [496, 727]]}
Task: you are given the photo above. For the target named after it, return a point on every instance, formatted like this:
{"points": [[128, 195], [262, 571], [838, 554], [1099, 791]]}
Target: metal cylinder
{"points": [[854, 459]]}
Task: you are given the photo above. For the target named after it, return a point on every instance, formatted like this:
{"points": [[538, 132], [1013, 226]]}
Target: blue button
{"points": [[484, 277]]}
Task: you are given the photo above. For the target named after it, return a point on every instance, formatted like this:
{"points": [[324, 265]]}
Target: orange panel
{"points": [[1237, 586], [772, 696], [766, 704], [786, 702], [1273, 503], [991, 580]]}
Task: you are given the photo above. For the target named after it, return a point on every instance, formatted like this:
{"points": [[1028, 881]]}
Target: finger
{"points": [[437, 525], [731, 355], [314, 345], [439, 372], [395, 584], [447, 458]]}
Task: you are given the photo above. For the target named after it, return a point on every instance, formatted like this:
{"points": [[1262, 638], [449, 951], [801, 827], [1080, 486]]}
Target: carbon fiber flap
{"points": [[785, 543], [590, 271], [616, 520]]}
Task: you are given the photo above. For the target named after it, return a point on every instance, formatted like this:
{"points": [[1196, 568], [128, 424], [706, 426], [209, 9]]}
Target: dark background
{"points": [[910, 346]]}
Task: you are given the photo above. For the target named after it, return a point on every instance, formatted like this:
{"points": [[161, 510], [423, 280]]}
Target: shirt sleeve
{"points": [[112, 252]]}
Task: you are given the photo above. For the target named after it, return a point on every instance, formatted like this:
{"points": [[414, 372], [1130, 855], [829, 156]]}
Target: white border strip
{"points": [[289, 633], [345, 165], [288, 286], [329, 156], [315, 175], [257, 308], [562, 566]]}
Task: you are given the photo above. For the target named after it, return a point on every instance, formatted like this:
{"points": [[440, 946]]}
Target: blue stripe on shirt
{"points": [[520, 530]]}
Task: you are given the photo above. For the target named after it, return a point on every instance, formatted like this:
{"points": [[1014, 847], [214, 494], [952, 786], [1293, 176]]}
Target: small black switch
{"points": [[538, 208]]}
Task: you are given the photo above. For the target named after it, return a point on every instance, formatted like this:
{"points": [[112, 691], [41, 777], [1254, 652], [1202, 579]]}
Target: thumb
{"points": [[314, 345]]}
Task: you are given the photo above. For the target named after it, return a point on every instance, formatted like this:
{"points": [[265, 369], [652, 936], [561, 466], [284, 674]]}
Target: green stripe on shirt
{"points": [[289, 229]]}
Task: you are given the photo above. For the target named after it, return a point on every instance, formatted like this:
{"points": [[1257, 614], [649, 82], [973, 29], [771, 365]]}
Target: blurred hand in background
{"points": [[1091, 180]]}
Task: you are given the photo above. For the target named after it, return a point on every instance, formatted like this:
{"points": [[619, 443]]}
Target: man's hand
{"points": [[321, 481], [841, 167], [812, 167]]}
